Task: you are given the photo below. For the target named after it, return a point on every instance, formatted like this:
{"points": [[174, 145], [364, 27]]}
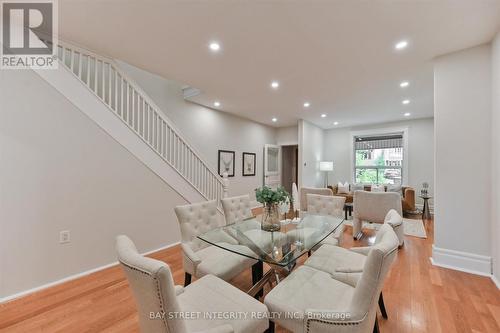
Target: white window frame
{"points": [[382, 132]]}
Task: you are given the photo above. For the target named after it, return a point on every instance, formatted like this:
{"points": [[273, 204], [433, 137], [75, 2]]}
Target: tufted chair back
{"points": [[325, 205], [373, 206], [195, 219], [153, 288], [237, 208], [377, 265], [313, 190]]}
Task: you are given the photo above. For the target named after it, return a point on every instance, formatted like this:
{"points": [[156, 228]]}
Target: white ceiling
{"points": [[337, 54]]}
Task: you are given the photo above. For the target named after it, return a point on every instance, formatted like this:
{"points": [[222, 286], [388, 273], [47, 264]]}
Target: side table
{"points": [[426, 212]]}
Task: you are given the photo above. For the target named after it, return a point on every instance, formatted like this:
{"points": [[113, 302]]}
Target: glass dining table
{"points": [[279, 249]]}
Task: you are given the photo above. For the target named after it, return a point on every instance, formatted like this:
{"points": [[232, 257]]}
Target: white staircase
{"points": [[106, 94]]}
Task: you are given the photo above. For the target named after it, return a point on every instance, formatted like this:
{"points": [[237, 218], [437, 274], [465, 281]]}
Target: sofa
{"points": [[407, 195]]}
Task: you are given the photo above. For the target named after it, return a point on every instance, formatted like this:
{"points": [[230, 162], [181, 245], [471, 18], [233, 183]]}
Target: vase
{"points": [[271, 218]]}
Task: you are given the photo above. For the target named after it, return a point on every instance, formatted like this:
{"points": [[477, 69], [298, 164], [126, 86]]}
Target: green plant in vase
{"points": [[271, 199]]}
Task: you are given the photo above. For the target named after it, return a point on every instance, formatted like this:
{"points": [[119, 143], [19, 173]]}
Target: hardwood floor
{"points": [[419, 297]]}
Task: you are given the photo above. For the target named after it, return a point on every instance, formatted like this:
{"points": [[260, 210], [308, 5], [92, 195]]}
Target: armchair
{"points": [[373, 207]]}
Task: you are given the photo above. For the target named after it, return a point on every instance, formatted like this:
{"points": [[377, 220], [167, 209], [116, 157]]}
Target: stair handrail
{"points": [[221, 181]]}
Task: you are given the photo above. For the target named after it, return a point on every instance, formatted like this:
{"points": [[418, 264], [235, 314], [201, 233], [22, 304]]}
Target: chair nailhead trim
{"points": [[157, 290], [330, 323]]}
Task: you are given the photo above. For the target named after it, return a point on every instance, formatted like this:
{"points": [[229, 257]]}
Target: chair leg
{"points": [[257, 274], [271, 327], [309, 253], [357, 226], [375, 327], [382, 306], [187, 279]]}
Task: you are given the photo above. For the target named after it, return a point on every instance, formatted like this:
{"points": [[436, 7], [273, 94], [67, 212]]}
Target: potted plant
{"points": [[272, 200]]}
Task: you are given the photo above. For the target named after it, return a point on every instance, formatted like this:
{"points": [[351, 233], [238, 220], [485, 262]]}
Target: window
{"points": [[378, 159]]}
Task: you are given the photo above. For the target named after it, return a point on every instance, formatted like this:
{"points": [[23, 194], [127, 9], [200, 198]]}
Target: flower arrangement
{"points": [[267, 196], [275, 202]]}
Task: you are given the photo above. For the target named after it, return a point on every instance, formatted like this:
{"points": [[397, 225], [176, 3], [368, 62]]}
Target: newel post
{"points": [[225, 184]]}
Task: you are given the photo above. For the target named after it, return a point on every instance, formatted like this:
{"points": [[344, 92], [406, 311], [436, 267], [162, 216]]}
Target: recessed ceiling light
{"points": [[335, 123], [401, 45], [216, 104], [214, 46], [274, 120], [404, 84], [406, 101], [275, 84], [407, 114], [307, 104], [323, 115]]}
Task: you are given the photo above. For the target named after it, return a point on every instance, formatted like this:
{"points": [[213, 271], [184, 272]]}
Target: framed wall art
{"points": [[248, 163], [226, 162]]}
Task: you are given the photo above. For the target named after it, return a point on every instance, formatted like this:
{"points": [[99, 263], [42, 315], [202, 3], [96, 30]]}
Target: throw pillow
{"points": [[343, 188], [395, 188], [357, 187], [377, 188]]}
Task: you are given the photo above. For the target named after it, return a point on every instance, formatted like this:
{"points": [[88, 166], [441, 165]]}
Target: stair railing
{"points": [[124, 97]]}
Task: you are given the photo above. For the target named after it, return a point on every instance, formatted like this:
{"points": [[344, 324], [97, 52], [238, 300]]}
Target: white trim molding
{"points": [[461, 261], [75, 276], [495, 281]]}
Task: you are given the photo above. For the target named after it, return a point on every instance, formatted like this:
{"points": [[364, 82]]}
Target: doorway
{"points": [[289, 169]]}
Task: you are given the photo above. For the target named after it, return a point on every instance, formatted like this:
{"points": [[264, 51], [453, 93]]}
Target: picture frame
{"points": [[225, 162], [248, 162]]}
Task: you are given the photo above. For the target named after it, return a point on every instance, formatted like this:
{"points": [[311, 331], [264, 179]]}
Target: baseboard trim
{"points": [[495, 281], [75, 276], [461, 261]]}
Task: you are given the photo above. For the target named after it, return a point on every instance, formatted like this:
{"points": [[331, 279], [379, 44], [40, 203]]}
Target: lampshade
{"points": [[326, 166]]}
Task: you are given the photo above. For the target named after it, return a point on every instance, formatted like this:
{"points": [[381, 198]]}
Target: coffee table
{"points": [[279, 249]]}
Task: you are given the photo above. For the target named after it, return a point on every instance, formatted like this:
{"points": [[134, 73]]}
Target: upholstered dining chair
{"points": [[304, 191], [161, 304], [237, 208], [347, 264], [201, 258], [373, 207], [321, 302], [327, 205]]}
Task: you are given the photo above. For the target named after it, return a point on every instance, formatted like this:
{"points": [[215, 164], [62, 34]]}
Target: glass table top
{"points": [[281, 247]]}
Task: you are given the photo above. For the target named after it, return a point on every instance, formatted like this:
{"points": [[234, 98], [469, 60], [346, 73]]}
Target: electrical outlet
{"points": [[64, 237]]}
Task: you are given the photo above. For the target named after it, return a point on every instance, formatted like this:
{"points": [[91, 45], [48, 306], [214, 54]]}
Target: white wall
{"points": [[462, 113], [209, 130], [286, 136], [495, 229], [60, 171], [338, 145], [310, 154]]}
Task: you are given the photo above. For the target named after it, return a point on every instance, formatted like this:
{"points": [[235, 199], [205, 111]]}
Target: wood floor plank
{"points": [[419, 297]]}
